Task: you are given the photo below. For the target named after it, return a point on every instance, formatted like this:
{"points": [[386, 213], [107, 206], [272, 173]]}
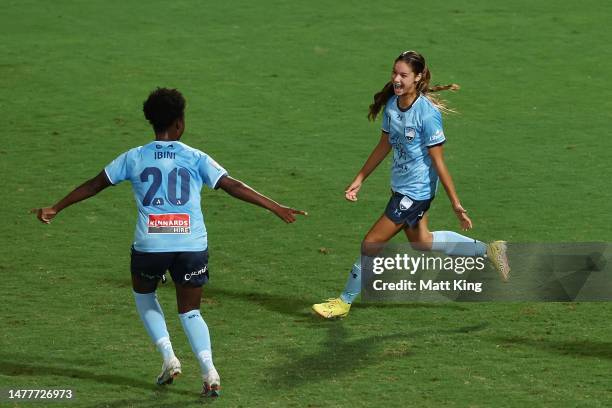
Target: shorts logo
{"points": [[169, 224], [199, 272], [405, 204], [410, 133]]}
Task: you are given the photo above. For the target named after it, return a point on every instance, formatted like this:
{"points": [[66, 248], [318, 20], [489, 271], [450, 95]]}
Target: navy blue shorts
{"points": [[186, 268], [402, 209]]}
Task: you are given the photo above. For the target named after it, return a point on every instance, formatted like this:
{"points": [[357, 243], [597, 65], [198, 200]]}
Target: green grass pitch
{"points": [[277, 92]]}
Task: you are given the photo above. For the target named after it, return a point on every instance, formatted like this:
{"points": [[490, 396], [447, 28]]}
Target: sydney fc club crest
{"points": [[405, 204], [410, 134]]}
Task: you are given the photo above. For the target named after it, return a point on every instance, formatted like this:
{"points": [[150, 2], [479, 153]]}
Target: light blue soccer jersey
{"points": [[166, 179], [411, 133]]}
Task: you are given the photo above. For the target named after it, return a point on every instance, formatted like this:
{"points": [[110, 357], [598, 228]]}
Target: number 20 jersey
{"points": [[167, 178]]}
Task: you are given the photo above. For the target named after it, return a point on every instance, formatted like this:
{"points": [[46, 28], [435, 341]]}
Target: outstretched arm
{"points": [[437, 157], [238, 189], [88, 189], [378, 155]]}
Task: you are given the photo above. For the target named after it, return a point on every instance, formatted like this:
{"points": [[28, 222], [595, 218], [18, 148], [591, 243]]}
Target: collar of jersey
{"points": [[408, 108]]}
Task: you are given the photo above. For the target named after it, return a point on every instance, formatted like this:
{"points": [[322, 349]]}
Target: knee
{"points": [[420, 240], [371, 248], [188, 297], [142, 285], [421, 246]]}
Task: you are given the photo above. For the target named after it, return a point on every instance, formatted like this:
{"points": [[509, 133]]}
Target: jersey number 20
{"points": [[173, 177]]}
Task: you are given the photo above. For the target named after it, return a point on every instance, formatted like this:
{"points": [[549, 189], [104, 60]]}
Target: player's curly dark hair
{"points": [[163, 107]]}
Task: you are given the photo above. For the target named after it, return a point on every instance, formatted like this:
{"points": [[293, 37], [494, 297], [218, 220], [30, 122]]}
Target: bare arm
{"points": [[238, 189], [378, 155], [88, 189], [437, 157]]}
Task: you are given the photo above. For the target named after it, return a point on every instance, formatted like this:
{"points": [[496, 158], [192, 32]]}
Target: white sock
{"points": [[165, 348]]}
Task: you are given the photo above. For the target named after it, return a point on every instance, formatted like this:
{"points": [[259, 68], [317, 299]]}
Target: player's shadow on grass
{"points": [[339, 354], [580, 348], [14, 366], [300, 306], [153, 401], [412, 305]]}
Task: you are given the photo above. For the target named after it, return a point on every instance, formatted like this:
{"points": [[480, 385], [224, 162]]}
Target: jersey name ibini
{"points": [[167, 178], [411, 133]]}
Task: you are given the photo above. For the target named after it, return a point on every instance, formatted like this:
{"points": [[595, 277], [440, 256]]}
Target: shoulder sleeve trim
{"points": [[108, 177], [437, 144], [221, 175]]}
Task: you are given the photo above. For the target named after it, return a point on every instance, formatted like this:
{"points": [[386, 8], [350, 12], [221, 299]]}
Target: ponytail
{"points": [[380, 100], [436, 100], [424, 88], [449, 87]]}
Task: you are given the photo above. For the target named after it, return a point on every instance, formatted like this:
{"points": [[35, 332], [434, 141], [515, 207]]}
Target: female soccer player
{"points": [[167, 176], [412, 128]]}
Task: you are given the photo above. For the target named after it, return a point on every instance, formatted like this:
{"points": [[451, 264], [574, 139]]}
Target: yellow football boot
{"points": [[333, 308], [497, 255]]}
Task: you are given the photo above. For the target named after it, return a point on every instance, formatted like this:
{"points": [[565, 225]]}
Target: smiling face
{"points": [[404, 80]]}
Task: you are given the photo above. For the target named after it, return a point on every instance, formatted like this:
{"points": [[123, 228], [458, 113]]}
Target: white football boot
{"points": [[170, 370], [212, 384]]}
